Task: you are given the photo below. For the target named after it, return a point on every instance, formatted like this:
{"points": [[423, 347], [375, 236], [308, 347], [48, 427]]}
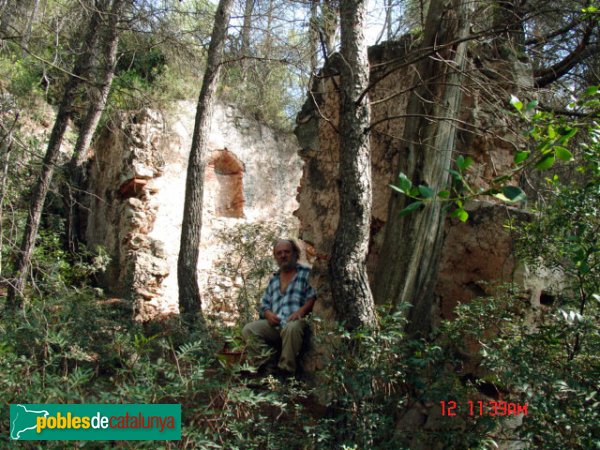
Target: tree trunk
{"points": [[246, 27], [187, 273], [329, 25], [5, 149], [347, 267], [388, 19], [98, 96], [408, 262], [109, 42], [313, 36], [28, 28], [40, 189]]}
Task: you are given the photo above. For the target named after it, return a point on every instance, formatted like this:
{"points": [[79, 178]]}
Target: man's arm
{"points": [[265, 307], [305, 310]]}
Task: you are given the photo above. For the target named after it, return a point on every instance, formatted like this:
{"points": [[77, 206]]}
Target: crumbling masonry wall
{"points": [[137, 183], [480, 250]]}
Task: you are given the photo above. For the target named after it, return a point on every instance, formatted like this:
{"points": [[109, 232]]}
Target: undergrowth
{"points": [[380, 389]]}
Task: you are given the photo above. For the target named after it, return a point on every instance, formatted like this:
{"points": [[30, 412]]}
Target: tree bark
{"points": [[313, 36], [187, 273], [408, 262], [98, 96], [40, 189], [329, 25], [347, 266], [5, 152], [28, 27], [109, 42], [246, 27]]}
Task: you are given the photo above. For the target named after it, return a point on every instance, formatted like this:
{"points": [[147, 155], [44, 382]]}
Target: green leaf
{"points": [[414, 192], [546, 162], [592, 90], [531, 105], [456, 175], [516, 103], [545, 145], [396, 188], [444, 194], [567, 132], [468, 162], [501, 179], [461, 214], [551, 132], [521, 156], [563, 154], [513, 193], [425, 191], [405, 183], [464, 163], [410, 208]]}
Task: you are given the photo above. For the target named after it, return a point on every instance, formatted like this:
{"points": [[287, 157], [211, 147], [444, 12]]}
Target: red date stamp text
{"points": [[484, 408]]}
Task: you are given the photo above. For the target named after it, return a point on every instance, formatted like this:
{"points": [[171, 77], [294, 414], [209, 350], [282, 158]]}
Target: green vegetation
{"points": [[378, 388]]}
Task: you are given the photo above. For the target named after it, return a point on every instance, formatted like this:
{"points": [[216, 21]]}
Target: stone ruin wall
{"points": [[253, 174], [476, 251], [136, 207]]}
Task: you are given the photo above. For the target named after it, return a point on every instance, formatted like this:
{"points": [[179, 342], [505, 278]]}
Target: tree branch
{"points": [[545, 76]]}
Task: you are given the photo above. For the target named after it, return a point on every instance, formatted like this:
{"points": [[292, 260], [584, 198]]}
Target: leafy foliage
{"points": [[548, 135]]}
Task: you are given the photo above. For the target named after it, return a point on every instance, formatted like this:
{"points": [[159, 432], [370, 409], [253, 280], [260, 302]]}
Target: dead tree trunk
{"points": [[187, 273], [409, 258], [347, 266], [40, 189]]}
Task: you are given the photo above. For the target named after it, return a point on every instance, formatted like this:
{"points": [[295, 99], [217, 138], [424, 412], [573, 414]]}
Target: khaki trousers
{"points": [[289, 337]]}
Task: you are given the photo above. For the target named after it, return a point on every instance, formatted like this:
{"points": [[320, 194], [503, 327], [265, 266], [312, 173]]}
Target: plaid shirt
{"points": [[297, 293]]}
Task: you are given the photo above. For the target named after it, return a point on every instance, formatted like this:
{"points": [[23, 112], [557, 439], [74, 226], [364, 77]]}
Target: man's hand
{"points": [[300, 313], [272, 318], [295, 316]]}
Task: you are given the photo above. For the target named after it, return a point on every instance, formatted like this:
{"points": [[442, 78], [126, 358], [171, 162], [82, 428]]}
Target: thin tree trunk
{"points": [[187, 272], [5, 147], [40, 189], [408, 262], [329, 15], [7, 12], [98, 94], [388, 19], [313, 34], [28, 28], [246, 27], [347, 266]]}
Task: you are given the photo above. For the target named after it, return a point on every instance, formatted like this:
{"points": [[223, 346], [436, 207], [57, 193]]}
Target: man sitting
{"points": [[289, 297]]}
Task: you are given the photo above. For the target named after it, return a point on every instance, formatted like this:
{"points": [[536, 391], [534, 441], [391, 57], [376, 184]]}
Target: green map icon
{"points": [[23, 420]]}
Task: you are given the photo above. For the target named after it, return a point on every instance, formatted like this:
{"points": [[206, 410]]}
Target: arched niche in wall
{"points": [[225, 183]]}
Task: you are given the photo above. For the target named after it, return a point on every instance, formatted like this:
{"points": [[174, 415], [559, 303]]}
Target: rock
{"points": [[253, 177], [142, 171]]}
